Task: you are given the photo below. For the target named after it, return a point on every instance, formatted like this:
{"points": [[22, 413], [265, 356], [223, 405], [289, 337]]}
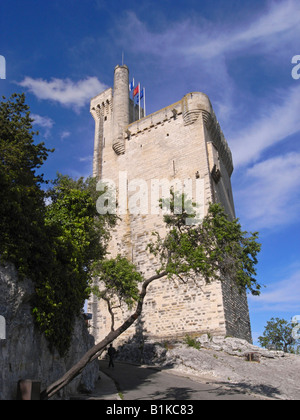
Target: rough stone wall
{"points": [[25, 354], [236, 312], [183, 142], [101, 109]]}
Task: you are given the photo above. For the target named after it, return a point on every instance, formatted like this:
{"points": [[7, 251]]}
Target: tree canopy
{"points": [[77, 237], [278, 335], [213, 249], [22, 199]]}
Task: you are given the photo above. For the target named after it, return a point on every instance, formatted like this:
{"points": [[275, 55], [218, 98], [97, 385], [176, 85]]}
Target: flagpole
{"points": [[144, 102], [139, 101], [133, 113]]}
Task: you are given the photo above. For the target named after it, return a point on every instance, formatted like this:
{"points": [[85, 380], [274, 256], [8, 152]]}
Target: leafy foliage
{"points": [[78, 237], [119, 278], [22, 200], [214, 249], [278, 336], [191, 342]]}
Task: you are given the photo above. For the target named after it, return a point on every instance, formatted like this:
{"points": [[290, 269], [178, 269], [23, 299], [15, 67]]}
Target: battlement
{"points": [[190, 108], [102, 103]]}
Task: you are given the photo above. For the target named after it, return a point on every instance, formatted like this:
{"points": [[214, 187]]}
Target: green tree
{"points": [[216, 249], [278, 336], [22, 199], [76, 237]]}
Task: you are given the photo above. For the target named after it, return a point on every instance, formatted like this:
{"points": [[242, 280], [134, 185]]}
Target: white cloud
{"points": [[65, 134], [275, 26], [276, 122], [44, 122], [64, 91], [282, 18], [196, 44], [283, 295], [270, 197], [196, 37], [88, 159]]}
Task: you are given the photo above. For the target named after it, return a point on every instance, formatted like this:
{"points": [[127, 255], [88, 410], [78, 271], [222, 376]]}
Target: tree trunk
{"points": [[98, 349]]}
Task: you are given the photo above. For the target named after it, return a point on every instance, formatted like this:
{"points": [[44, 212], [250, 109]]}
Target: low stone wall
{"points": [[24, 354]]}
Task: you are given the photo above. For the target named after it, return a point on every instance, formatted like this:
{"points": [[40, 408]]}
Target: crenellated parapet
{"points": [[218, 139], [190, 108], [196, 104], [102, 110], [102, 105]]}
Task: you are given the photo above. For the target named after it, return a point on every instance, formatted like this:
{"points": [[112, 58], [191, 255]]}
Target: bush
{"points": [[191, 342]]}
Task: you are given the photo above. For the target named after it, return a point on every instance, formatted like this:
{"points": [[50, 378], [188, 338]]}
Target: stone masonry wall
{"points": [[25, 354]]}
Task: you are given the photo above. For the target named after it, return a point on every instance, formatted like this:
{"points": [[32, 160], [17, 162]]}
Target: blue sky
{"points": [[63, 52]]}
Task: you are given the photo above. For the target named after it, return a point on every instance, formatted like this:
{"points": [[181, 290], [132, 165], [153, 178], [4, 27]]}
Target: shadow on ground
{"points": [[136, 382], [145, 383]]}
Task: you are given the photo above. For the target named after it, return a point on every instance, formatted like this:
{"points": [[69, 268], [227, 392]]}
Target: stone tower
{"points": [[121, 108], [180, 143]]}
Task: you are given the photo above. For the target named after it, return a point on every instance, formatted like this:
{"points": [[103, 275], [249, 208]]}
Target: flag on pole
{"points": [[140, 96], [136, 90], [131, 85]]}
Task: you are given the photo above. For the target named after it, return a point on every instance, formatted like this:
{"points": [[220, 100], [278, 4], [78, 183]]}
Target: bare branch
{"points": [[112, 315]]}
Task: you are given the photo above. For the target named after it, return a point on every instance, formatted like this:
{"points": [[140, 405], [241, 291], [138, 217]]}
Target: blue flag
{"points": [[131, 85], [140, 96]]}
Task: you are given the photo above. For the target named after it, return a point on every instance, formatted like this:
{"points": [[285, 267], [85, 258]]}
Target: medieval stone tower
{"points": [[184, 142]]}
